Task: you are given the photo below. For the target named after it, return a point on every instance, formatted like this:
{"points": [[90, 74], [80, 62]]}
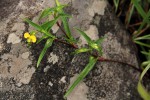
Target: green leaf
{"points": [[47, 45], [142, 44], [66, 28], [81, 50], [100, 40], [50, 11], [128, 16], [139, 8], [48, 25], [42, 38], [96, 47], [36, 26], [116, 2], [147, 54], [65, 23], [142, 91], [82, 75], [87, 38], [144, 22], [39, 28], [144, 71], [145, 63], [57, 2], [145, 37]]}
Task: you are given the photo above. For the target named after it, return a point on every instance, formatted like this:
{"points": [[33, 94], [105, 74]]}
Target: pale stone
{"points": [[80, 91], [63, 79], [26, 76], [53, 58], [18, 26], [19, 69], [92, 32], [1, 47], [99, 6], [50, 83], [13, 38], [25, 55], [46, 68]]}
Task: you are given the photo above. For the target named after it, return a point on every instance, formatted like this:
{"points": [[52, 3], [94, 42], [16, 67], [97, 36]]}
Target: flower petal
{"points": [[26, 35], [33, 38]]}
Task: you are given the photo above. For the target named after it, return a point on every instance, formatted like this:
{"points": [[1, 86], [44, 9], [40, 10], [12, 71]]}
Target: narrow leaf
{"points": [[116, 2], [144, 71], [142, 91], [100, 40], [36, 26], [66, 27], [142, 44], [139, 8], [39, 28], [96, 47], [48, 25], [42, 38], [50, 11], [81, 50], [82, 75], [87, 38], [57, 2], [47, 45], [145, 37], [65, 23]]}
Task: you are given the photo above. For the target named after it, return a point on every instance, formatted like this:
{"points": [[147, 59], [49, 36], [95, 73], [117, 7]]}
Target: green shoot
{"points": [[142, 91], [81, 50], [50, 11], [39, 28], [65, 24], [92, 43], [116, 2], [47, 45], [82, 75]]}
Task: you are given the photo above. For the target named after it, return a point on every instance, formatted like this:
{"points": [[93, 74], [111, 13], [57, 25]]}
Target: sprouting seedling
{"points": [[69, 37], [93, 45], [45, 29], [82, 75]]}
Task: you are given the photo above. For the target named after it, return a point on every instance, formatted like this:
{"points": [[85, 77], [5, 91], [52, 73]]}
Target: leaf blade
{"points": [[47, 45], [50, 11], [87, 38], [142, 91], [85, 71]]}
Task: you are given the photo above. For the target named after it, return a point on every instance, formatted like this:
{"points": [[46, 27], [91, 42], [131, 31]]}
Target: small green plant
{"points": [[93, 48], [58, 13]]}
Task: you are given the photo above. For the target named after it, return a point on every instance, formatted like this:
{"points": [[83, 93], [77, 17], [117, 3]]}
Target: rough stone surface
{"points": [[20, 80], [79, 93], [13, 38]]}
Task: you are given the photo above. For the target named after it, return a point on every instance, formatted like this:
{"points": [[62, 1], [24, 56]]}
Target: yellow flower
{"points": [[26, 35], [30, 38]]}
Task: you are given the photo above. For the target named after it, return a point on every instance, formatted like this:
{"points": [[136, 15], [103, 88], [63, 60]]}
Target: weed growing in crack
{"points": [[94, 46]]}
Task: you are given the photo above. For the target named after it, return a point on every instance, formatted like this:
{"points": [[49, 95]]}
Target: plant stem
{"points": [[62, 29], [110, 60], [101, 58]]}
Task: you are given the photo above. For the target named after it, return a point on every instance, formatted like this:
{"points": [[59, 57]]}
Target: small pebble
{"points": [[25, 55], [50, 83]]}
